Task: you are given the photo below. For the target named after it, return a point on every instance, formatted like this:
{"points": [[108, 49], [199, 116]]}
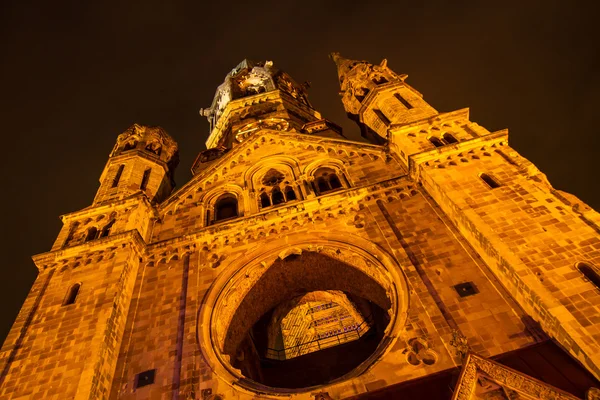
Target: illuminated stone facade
{"points": [[436, 245]]}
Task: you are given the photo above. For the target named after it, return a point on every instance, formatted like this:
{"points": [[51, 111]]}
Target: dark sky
{"points": [[75, 76]]}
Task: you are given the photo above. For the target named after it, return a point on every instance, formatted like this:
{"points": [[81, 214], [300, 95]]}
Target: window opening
{"points": [[290, 194], [91, 234], [323, 185], [382, 116], [106, 230], [491, 182], [379, 80], [402, 100], [118, 176], [277, 196], [130, 145], [145, 179], [154, 148], [71, 294], [71, 234], [144, 378], [334, 182], [589, 273], [265, 201], [226, 207], [436, 141], [449, 138], [466, 289]]}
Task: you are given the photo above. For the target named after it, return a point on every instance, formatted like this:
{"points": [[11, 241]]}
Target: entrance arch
{"points": [[249, 286]]}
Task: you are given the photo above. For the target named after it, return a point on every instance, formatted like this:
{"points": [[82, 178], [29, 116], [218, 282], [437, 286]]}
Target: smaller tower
{"points": [[376, 97], [143, 160]]}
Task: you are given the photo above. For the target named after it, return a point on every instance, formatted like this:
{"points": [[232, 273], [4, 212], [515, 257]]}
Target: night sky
{"points": [[74, 77]]}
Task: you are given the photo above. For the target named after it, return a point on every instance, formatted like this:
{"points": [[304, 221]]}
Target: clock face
{"points": [[277, 124]]}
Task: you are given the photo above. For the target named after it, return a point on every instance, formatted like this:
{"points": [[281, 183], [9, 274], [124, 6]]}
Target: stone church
{"points": [[430, 261]]}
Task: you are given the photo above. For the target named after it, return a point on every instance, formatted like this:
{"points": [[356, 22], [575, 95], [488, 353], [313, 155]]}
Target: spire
{"points": [[344, 65]]}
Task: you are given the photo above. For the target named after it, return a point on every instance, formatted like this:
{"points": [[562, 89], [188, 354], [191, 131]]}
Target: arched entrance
{"points": [[244, 310]]}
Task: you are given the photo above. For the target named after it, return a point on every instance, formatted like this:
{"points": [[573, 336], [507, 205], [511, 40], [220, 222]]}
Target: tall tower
{"points": [[434, 262]]}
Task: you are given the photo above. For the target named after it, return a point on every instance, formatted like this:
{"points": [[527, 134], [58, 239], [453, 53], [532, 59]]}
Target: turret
{"points": [[143, 161], [256, 96], [376, 97]]}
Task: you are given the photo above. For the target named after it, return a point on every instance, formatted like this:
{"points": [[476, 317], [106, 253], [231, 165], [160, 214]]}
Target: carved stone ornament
{"points": [[592, 394], [460, 344], [482, 379], [288, 86], [277, 124]]}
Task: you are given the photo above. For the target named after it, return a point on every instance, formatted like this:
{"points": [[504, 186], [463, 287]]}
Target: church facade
{"points": [[431, 261]]}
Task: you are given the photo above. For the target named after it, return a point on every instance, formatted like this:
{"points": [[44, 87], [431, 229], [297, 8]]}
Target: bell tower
{"points": [[143, 160], [376, 97]]}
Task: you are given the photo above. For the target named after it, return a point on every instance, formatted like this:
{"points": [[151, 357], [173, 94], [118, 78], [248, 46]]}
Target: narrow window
{"points": [[145, 179], [91, 234], [71, 294], [334, 181], [265, 201], [381, 116], [449, 138], [402, 100], [277, 196], [436, 141], [106, 230], [589, 273], [226, 207], [144, 378], [130, 145], [71, 234], [491, 182], [322, 185], [115, 182], [290, 194]]}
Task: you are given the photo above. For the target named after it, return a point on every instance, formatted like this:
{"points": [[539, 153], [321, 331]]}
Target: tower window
{"points": [[106, 230], [117, 178], [449, 138], [327, 180], [71, 294], [491, 182], [402, 100], [589, 273], [130, 145], [226, 207], [91, 234], [144, 378], [71, 234], [154, 148], [382, 116], [436, 141], [145, 179], [466, 289]]}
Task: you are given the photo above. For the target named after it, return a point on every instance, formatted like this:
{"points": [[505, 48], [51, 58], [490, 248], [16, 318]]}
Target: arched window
{"points": [[106, 230], [226, 207], [589, 273], [323, 185], [155, 148], [290, 194], [326, 180], [277, 196], [91, 234], [449, 138], [130, 145], [436, 141], [265, 201], [117, 178], [491, 182], [71, 294], [71, 234], [334, 182]]}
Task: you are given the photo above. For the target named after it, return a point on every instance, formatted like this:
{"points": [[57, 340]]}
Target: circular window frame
{"points": [[357, 252]]}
